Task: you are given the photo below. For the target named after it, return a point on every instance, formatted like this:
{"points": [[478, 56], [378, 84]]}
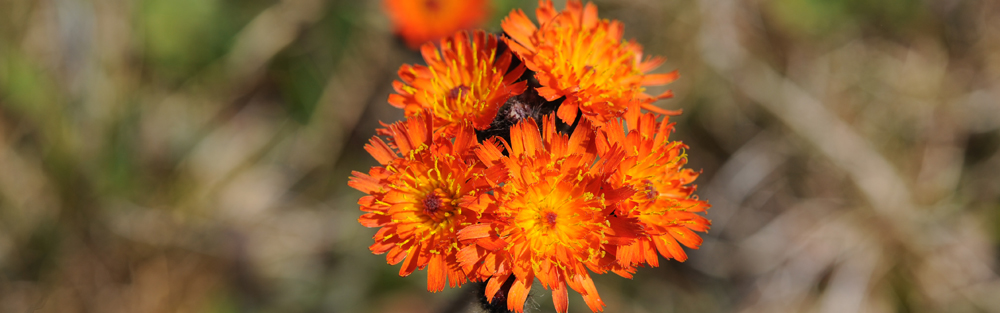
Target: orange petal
{"points": [[519, 293], [435, 274], [380, 248], [370, 220], [468, 256], [520, 28], [465, 139], [590, 16], [649, 253], [525, 138], [686, 237], [474, 232], [626, 254], [650, 64], [659, 79], [669, 248], [494, 285], [380, 151], [624, 273], [364, 183], [397, 101], [623, 227], [492, 244], [590, 293], [456, 277], [560, 297], [665, 95], [549, 93], [395, 255], [489, 151], [411, 261], [545, 11], [429, 52], [567, 112], [651, 107]]}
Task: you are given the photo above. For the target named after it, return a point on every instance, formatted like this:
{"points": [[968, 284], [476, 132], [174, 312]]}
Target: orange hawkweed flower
{"points": [[552, 215], [578, 56], [530, 203], [463, 81], [421, 21], [664, 204], [426, 190]]}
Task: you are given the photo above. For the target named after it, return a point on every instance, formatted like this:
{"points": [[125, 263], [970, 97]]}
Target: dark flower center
{"points": [[455, 92], [433, 204], [550, 218], [437, 206], [651, 193]]}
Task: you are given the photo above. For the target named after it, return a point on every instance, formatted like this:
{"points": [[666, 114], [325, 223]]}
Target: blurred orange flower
{"points": [[424, 193], [663, 204], [578, 56], [421, 21], [552, 215], [463, 81]]}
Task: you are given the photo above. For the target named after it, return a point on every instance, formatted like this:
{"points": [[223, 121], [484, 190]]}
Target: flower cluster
{"points": [[529, 157]]}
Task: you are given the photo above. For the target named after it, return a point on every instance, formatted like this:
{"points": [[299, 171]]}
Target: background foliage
{"points": [[192, 155]]}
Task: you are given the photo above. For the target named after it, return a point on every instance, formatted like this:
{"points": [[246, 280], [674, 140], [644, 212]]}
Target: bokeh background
{"points": [[193, 156]]}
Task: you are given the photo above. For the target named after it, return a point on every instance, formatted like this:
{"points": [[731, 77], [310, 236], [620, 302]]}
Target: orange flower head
{"points": [[425, 191], [421, 21], [553, 215], [578, 56], [463, 81], [664, 204]]}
